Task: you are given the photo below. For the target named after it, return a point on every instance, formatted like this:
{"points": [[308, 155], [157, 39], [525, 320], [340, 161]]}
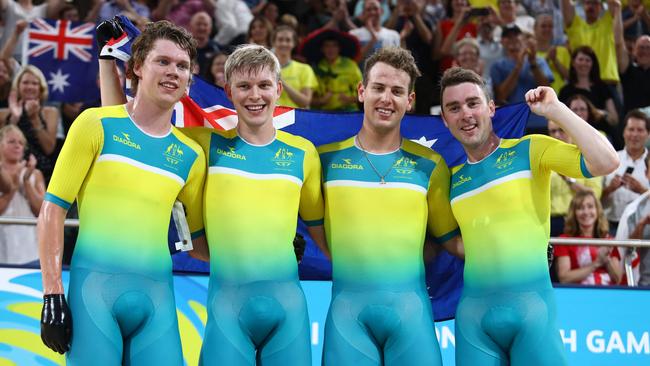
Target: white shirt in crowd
{"points": [[617, 200]]}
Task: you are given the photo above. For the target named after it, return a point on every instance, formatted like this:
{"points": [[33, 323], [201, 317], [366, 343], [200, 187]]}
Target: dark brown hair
{"points": [[594, 73], [144, 43], [457, 75], [636, 113], [397, 57]]}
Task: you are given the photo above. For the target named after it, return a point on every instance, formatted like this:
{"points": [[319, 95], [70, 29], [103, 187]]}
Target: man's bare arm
{"points": [[50, 246]]}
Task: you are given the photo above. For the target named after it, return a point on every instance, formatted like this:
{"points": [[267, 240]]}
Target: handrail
{"points": [[633, 244], [628, 243], [13, 220]]}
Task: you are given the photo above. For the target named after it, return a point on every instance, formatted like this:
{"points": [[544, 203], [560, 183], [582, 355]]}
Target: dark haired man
{"points": [[500, 199], [126, 165], [382, 192]]}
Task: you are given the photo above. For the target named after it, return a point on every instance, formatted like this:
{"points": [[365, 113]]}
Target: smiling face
{"points": [[635, 135], [385, 97], [468, 114], [12, 146], [164, 75], [283, 42], [254, 95], [582, 63], [29, 87], [201, 26], [587, 214], [259, 32], [372, 10]]}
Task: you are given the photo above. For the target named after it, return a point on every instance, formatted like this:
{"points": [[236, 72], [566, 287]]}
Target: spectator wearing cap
{"points": [[331, 54], [520, 69], [595, 31]]}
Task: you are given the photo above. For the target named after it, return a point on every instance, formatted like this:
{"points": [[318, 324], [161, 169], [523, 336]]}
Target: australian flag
{"points": [[207, 105], [66, 53]]}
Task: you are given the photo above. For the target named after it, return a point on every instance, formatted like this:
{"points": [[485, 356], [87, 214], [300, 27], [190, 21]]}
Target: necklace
{"points": [[382, 179]]}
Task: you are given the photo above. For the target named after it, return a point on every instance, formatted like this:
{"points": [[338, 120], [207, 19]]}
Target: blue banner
{"points": [[599, 326]]}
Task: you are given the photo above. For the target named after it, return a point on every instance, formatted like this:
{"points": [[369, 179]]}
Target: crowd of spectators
{"points": [[596, 55]]}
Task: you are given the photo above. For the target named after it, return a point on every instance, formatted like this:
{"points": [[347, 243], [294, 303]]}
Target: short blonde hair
{"points": [[31, 69], [8, 128], [250, 59], [467, 41]]}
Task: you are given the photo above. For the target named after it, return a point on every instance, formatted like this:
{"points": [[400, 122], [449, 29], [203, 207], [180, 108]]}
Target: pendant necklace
{"points": [[382, 179]]}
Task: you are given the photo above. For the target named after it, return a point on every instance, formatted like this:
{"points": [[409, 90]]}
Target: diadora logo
{"points": [[173, 154], [505, 160], [347, 164], [283, 157], [404, 165], [125, 139], [231, 153], [461, 180]]}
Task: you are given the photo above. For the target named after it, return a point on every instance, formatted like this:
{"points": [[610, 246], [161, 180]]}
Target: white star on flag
{"points": [[424, 142], [59, 81]]}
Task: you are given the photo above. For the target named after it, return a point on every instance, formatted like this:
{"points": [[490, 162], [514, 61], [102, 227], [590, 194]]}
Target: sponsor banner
{"points": [[599, 326]]}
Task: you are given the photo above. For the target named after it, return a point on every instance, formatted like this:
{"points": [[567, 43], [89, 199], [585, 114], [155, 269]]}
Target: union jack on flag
{"points": [[63, 38], [67, 55]]}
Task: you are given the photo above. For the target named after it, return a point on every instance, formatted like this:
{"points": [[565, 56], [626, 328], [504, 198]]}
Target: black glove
{"points": [[108, 30], [56, 323], [299, 244]]}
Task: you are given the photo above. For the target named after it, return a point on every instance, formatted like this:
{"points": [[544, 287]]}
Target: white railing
{"points": [[628, 243], [11, 220]]}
